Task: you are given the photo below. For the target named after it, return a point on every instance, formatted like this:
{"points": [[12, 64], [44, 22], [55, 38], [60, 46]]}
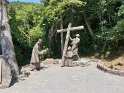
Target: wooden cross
{"points": [[67, 38]]}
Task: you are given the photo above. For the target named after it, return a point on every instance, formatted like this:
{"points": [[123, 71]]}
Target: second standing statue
{"points": [[75, 42], [35, 57]]}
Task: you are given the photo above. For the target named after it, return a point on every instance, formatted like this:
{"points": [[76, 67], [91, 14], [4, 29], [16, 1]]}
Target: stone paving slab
{"points": [[56, 79]]}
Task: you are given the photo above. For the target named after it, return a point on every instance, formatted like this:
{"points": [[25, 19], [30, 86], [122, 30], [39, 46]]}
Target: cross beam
{"points": [[72, 29], [67, 39]]}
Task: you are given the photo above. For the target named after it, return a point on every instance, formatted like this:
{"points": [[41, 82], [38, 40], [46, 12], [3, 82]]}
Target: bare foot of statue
{"points": [[62, 66]]}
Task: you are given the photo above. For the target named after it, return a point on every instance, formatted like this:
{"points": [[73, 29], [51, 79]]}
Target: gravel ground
{"points": [[56, 79]]}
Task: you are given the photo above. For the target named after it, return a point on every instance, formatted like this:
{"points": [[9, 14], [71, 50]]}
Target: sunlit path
{"points": [[69, 80]]}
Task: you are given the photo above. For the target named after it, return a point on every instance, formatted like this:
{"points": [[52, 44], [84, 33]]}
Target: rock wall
{"points": [[5, 74], [6, 41], [108, 70]]}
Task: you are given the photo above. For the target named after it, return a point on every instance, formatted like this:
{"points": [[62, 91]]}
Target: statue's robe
{"points": [[69, 62], [75, 43]]}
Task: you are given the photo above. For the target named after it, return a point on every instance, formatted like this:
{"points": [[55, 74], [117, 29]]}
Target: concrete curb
{"points": [[108, 70]]}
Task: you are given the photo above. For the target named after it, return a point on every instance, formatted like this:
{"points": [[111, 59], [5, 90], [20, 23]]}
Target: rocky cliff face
{"points": [[8, 58], [5, 73]]}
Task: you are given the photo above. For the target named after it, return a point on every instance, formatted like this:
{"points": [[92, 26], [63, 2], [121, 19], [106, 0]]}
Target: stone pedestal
{"points": [[5, 73]]}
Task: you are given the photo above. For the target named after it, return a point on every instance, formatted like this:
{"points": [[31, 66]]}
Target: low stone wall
{"points": [[108, 70]]}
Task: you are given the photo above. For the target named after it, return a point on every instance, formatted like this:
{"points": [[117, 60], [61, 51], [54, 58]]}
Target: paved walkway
{"points": [[69, 80]]}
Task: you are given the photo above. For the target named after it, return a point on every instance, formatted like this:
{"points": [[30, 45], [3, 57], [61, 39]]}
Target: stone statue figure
{"points": [[35, 58], [68, 57], [75, 42]]}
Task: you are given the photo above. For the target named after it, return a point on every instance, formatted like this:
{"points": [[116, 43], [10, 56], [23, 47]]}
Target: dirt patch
{"points": [[116, 64]]}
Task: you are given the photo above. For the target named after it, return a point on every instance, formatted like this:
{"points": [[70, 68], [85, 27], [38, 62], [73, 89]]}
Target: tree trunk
{"points": [[88, 26], [6, 42], [61, 27]]}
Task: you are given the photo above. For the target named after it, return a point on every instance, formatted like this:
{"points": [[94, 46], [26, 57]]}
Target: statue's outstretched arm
{"points": [[43, 51], [71, 38]]}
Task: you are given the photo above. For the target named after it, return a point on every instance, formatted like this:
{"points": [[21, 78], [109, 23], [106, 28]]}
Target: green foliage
{"points": [[121, 11], [25, 28], [36, 33], [119, 31]]}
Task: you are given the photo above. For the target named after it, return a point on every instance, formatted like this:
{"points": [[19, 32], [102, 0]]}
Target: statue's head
{"points": [[69, 25], [77, 35], [40, 41], [69, 48]]}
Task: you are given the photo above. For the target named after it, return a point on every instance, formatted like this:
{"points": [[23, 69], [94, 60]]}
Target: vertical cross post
{"points": [[66, 44]]}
